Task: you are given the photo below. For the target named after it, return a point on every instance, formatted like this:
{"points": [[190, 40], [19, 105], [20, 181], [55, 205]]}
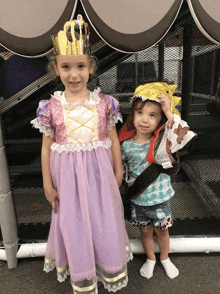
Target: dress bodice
{"points": [[83, 123]]}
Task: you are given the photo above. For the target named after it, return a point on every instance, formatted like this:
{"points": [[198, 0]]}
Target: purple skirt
{"points": [[87, 237]]}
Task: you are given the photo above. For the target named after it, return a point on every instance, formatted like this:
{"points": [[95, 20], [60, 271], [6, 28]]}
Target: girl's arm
{"points": [[50, 192], [116, 153]]}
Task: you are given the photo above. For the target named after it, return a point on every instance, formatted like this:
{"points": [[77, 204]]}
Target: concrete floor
{"points": [[199, 274]]}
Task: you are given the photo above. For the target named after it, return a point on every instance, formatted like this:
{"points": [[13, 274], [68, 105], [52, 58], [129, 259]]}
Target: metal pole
{"points": [[214, 67], [7, 213], [187, 70], [136, 71], [179, 83], [161, 63]]}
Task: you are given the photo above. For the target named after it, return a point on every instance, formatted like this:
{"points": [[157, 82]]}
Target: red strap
{"points": [[125, 133], [150, 154]]}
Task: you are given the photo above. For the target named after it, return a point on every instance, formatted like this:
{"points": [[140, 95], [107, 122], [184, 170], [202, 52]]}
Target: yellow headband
{"points": [[74, 39], [152, 90]]}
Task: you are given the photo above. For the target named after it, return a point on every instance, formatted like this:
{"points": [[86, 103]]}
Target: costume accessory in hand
{"points": [[150, 91], [74, 39]]}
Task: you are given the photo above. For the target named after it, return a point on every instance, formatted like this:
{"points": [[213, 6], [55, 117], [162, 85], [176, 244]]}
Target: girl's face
{"points": [[74, 72], [147, 119]]}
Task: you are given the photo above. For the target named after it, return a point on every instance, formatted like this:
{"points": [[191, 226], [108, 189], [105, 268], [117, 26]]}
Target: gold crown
{"points": [[74, 39]]}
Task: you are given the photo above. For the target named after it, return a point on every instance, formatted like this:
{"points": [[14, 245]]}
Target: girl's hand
{"points": [[166, 106], [119, 177], [52, 196]]}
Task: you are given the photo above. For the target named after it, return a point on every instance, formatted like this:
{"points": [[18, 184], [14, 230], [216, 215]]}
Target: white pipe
{"points": [[182, 245], [3, 255], [177, 245], [32, 250], [27, 250]]}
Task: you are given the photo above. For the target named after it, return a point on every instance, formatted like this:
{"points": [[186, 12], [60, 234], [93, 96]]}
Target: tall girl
{"points": [[81, 166]]}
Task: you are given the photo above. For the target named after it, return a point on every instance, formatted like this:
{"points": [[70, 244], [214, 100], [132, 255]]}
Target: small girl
{"points": [[81, 167], [153, 118]]}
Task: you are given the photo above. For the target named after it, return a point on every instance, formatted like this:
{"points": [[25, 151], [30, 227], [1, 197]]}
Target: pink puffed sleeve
{"points": [[43, 122], [113, 114]]}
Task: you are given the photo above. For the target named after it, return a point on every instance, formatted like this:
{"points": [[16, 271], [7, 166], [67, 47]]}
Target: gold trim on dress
{"points": [[67, 118], [124, 274], [128, 247], [81, 124], [62, 269], [89, 288], [59, 269], [49, 260]]}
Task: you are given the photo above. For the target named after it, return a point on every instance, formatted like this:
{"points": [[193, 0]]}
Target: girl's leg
{"points": [[148, 241], [148, 244], [163, 241]]}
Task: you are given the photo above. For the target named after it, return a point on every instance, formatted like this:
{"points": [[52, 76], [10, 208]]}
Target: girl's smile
{"points": [[143, 127]]}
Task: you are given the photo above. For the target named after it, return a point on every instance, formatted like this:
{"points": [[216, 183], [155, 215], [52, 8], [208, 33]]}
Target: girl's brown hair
{"points": [[138, 104]]}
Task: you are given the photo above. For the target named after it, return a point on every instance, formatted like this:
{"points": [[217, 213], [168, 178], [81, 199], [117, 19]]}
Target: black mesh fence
{"points": [[195, 206]]}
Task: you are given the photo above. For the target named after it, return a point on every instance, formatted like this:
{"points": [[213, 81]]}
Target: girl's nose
{"points": [[73, 73], [145, 118]]}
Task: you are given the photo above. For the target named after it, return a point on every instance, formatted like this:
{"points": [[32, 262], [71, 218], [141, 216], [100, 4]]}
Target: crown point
{"points": [[74, 39]]}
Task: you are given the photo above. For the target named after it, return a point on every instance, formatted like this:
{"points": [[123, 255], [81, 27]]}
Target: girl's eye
{"points": [[153, 115], [140, 112], [81, 66], [65, 66]]}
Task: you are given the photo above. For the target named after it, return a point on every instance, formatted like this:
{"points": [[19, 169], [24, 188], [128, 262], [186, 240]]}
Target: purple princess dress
{"points": [[87, 237]]}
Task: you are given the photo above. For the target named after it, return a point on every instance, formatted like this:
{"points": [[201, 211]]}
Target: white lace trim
{"points": [[72, 147], [37, 125], [93, 100], [114, 119], [143, 98], [129, 256], [61, 277], [48, 267], [117, 287]]}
